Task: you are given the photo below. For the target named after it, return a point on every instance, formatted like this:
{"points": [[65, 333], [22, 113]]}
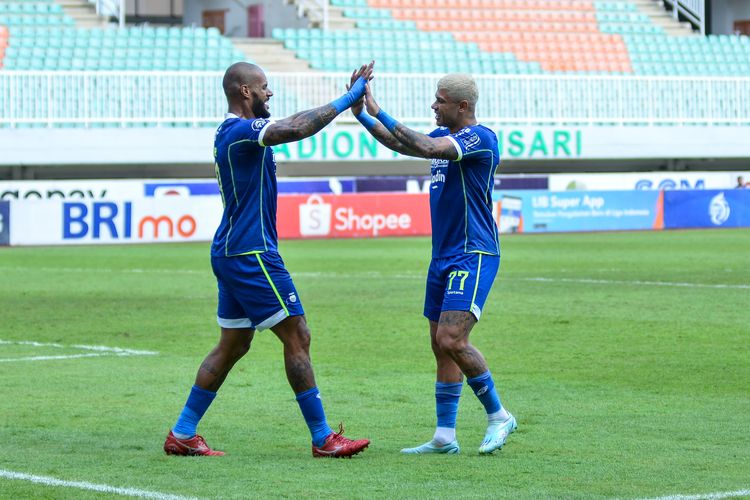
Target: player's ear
{"points": [[463, 106]]}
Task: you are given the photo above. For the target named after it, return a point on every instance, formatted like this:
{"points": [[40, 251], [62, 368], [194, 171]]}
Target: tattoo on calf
{"points": [[209, 368], [300, 374]]}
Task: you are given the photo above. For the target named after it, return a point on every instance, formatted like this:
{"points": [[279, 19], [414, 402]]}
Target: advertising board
{"points": [[4, 223], [544, 211], [644, 181], [353, 215], [710, 208], [139, 220]]}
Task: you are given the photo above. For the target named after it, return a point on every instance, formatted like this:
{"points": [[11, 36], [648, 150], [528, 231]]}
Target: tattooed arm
{"points": [[419, 144], [378, 131], [299, 126], [306, 123], [381, 134]]}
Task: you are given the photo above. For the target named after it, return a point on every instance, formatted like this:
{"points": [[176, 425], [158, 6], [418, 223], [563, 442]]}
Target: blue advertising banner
{"points": [[707, 208], [4, 223], [545, 211]]}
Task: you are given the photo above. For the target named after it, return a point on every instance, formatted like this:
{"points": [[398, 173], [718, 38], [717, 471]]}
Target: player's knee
{"points": [[242, 348], [448, 341], [302, 336]]}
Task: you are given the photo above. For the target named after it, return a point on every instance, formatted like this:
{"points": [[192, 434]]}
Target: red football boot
{"points": [[337, 446], [195, 447]]}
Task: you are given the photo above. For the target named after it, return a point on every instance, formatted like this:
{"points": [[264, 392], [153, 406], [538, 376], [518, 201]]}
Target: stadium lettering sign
{"points": [[540, 143], [115, 221], [348, 142], [340, 144]]}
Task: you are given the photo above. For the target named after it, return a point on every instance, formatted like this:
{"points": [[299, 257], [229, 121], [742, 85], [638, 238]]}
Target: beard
{"points": [[259, 110]]}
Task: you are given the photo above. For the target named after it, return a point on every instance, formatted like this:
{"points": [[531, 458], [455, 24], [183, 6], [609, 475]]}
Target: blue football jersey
{"points": [[461, 194], [246, 172]]}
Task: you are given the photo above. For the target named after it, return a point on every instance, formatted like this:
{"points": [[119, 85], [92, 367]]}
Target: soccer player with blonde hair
{"points": [[465, 249]]}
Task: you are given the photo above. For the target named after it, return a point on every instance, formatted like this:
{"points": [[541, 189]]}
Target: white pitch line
{"points": [[99, 350], [83, 485], [380, 275], [46, 358], [706, 496], [632, 282]]}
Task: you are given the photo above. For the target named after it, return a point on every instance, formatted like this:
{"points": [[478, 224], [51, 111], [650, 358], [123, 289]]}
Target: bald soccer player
{"points": [[255, 290]]}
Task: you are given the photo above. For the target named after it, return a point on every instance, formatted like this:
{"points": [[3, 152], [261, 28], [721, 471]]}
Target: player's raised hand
{"points": [[372, 107], [365, 71], [358, 105]]}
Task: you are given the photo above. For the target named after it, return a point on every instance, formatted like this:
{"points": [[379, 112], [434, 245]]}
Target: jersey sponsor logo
{"points": [[439, 163], [719, 209], [437, 178]]}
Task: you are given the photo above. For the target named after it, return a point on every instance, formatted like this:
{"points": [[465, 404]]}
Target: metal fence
{"points": [[102, 98]]}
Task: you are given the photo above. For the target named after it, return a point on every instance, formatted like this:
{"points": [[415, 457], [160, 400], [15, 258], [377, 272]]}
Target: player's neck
{"points": [[243, 111], [469, 121]]}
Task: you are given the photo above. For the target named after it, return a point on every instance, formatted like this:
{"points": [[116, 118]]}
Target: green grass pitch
{"points": [[624, 356]]}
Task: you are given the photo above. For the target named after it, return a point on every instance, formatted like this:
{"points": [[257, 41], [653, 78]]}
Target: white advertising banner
{"points": [[645, 180], [71, 190], [137, 220]]}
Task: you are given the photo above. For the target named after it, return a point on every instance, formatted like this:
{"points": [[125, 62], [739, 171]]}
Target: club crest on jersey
{"points": [[471, 141], [259, 123]]}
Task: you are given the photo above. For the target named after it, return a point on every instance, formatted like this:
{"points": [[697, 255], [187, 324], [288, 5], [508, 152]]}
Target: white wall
{"points": [[276, 14], [725, 12]]}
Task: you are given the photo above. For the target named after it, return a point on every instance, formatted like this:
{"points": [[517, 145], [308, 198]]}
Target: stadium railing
{"points": [[188, 98]]}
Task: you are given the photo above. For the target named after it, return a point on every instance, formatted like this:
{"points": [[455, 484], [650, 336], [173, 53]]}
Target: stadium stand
{"points": [[514, 37], [3, 43], [477, 36], [39, 36]]}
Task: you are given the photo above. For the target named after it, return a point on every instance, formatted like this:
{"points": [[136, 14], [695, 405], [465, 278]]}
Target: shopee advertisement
{"points": [[353, 215]]}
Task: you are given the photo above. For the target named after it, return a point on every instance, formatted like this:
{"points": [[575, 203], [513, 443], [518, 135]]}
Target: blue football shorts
{"points": [[459, 283], [255, 291]]}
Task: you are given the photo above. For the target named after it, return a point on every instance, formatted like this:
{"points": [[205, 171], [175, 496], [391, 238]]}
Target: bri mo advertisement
{"points": [[544, 211]]}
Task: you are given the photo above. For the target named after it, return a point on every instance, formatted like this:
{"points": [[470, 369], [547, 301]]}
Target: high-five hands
{"points": [[372, 107], [365, 71]]}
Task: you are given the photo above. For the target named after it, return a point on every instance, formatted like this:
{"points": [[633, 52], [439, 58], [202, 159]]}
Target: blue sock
{"points": [[484, 388], [446, 403], [196, 406], [315, 418]]}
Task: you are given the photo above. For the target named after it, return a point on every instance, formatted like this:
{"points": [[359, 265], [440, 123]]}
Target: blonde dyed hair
{"points": [[460, 87]]}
